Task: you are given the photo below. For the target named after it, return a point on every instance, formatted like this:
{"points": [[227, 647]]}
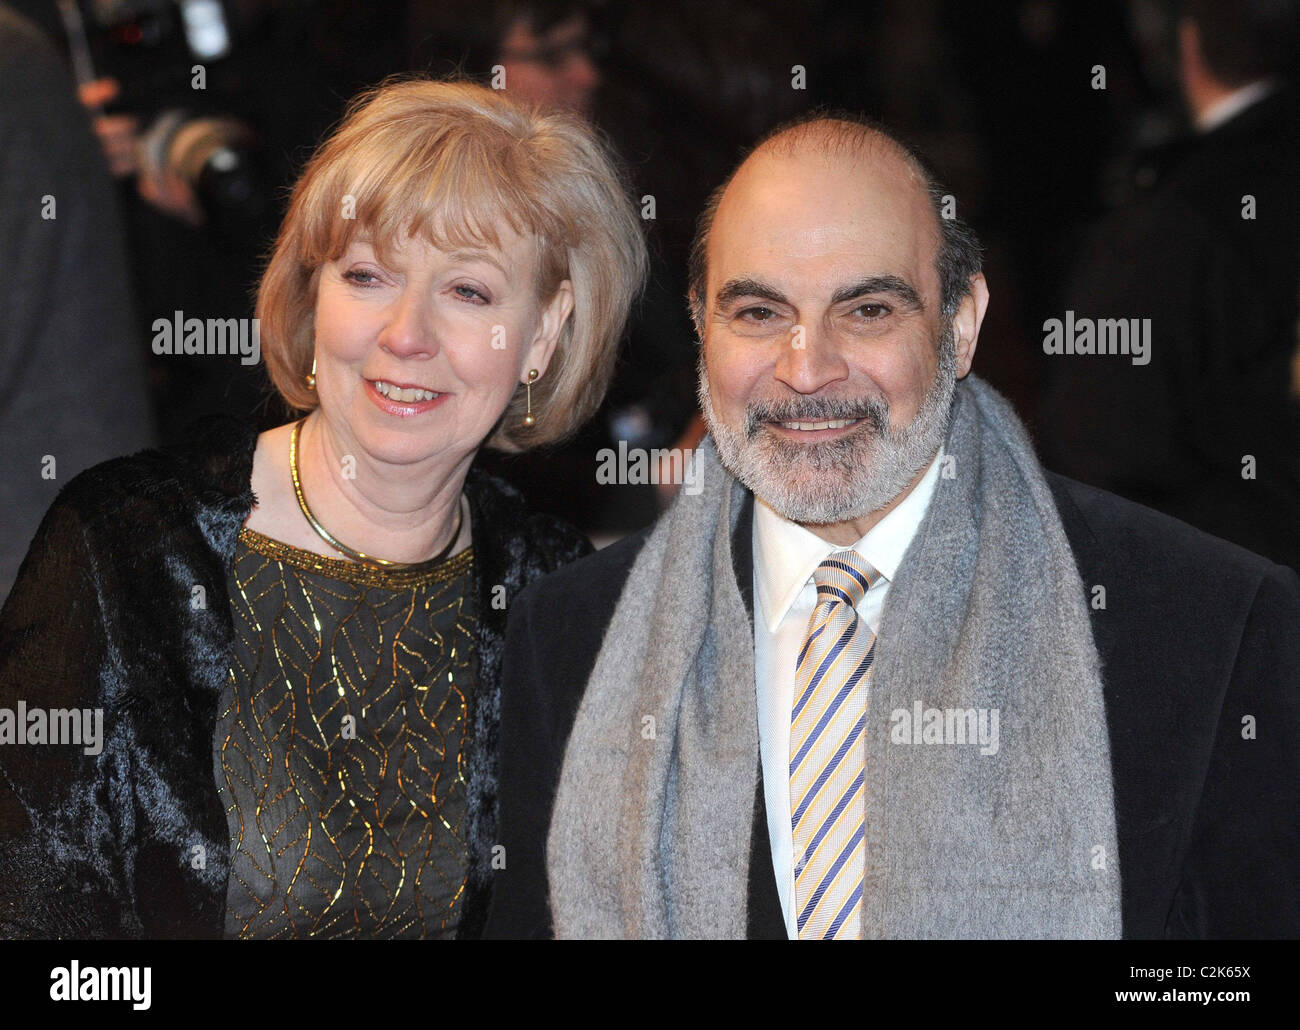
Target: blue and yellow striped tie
{"points": [[827, 759]]}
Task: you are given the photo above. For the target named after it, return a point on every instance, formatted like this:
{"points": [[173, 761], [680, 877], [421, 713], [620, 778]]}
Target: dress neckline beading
{"points": [[354, 572]]}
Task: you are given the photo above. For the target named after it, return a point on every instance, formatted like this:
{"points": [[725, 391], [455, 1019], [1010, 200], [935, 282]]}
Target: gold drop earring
{"points": [[311, 376], [532, 378]]}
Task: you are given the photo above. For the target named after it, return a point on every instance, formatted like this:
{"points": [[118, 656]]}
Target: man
{"points": [[1207, 429], [880, 675], [72, 372]]}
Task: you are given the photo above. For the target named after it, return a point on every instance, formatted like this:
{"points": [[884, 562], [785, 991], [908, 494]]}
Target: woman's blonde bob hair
{"points": [[453, 161]]}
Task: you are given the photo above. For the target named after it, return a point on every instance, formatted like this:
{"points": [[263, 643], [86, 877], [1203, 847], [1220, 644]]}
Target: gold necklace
{"points": [[342, 548]]}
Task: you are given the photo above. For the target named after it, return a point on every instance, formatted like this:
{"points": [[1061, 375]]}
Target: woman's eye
{"points": [[359, 276], [470, 294]]}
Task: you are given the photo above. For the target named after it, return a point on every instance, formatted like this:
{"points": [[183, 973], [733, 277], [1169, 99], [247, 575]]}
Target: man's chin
{"points": [[804, 495], [793, 454], [812, 484], [804, 512]]}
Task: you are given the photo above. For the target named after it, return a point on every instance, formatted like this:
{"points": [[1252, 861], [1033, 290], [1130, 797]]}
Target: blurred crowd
{"points": [[1121, 159]]}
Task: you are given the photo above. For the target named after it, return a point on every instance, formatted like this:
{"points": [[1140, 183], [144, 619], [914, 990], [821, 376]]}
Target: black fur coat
{"points": [[132, 842]]}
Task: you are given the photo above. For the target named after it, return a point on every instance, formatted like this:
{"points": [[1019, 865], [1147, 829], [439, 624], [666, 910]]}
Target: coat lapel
{"points": [[766, 920]]}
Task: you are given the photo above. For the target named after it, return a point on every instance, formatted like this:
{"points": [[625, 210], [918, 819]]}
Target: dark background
{"points": [[1000, 97]]}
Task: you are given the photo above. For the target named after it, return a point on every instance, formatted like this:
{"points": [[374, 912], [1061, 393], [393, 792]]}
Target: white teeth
{"points": [[838, 423], [394, 393]]}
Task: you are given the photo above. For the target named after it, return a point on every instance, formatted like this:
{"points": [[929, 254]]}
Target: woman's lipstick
{"points": [[402, 399]]}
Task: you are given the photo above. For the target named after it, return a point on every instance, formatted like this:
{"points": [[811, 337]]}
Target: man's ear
{"points": [[967, 321], [696, 306], [554, 315]]}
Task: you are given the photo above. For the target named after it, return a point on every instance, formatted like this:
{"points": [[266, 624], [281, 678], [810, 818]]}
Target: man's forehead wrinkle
{"points": [[770, 202], [825, 241], [846, 251], [879, 177]]}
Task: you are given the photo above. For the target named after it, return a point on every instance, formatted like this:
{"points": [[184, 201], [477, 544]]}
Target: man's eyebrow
{"points": [[906, 293], [891, 284], [734, 289]]}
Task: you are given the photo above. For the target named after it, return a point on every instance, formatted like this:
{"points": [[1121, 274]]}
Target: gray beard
{"points": [[836, 480]]}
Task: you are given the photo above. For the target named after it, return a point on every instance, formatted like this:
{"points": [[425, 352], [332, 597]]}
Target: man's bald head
{"points": [[835, 135], [828, 136]]}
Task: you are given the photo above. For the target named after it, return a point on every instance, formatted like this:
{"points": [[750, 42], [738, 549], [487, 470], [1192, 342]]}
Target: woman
{"points": [[293, 640]]}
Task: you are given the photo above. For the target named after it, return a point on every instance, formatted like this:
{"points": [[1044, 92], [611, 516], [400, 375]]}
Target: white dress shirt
{"points": [[785, 557]]}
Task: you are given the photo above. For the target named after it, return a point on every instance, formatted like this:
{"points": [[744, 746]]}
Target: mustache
{"points": [[872, 410]]}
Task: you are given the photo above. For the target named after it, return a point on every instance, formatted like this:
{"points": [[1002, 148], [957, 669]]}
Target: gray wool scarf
{"points": [[968, 834]]}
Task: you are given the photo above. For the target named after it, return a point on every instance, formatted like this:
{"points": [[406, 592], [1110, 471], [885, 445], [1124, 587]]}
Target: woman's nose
{"points": [[409, 330]]}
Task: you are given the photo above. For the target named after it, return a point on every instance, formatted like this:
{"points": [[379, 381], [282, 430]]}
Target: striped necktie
{"points": [[827, 759]]}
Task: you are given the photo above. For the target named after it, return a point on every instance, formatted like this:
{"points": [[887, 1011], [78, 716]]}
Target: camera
{"points": [[162, 52]]}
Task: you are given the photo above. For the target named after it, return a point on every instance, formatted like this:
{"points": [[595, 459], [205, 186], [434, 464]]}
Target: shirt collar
{"points": [[786, 554]]}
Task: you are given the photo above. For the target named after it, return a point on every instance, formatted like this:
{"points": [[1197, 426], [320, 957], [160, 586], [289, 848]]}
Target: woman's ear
{"points": [[554, 315]]}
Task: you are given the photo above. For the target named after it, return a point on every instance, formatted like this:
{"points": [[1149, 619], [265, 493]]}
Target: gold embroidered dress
{"points": [[340, 743]]}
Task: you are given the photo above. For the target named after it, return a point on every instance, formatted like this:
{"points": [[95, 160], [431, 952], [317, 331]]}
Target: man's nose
{"points": [[409, 329], [810, 360]]}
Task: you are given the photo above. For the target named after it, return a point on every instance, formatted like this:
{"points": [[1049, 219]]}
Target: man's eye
{"points": [[872, 309], [757, 314]]}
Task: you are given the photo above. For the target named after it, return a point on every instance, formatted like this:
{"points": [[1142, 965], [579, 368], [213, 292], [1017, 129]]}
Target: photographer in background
{"points": [[197, 165], [161, 81], [205, 110], [72, 388]]}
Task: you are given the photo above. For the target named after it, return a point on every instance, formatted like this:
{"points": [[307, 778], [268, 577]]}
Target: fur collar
{"points": [[146, 628]]}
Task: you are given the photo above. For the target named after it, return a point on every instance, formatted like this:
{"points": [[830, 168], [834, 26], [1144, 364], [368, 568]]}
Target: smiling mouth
{"points": [[404, 394], [809, 427]]}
